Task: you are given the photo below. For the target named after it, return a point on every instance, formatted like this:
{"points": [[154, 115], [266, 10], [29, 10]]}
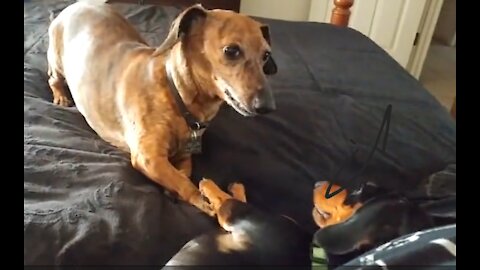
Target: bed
{"points": [[85, 205]]}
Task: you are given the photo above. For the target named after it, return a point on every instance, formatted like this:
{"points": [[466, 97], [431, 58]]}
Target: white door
{"points": [[392, 24]]}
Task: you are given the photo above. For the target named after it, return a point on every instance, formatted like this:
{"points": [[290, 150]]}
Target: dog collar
{"points": [[191, 120]]}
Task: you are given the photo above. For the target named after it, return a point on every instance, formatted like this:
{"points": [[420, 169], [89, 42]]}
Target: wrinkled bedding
{"points": [[85, 204]]}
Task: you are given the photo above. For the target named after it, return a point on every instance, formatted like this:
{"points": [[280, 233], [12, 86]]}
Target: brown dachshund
{"points": [[155, 102]]}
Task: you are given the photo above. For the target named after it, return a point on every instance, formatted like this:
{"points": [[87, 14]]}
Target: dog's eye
{"points": [[232, 51], [266, 56]]}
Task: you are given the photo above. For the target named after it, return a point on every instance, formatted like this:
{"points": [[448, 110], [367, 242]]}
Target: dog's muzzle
{"points": [[264, 101]]}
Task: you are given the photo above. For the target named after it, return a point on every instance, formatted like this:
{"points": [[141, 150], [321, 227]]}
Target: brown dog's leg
{"points": [[215, 195], [238, 191], [172, 179], [184, 165], [222, 202], [56, 77], [56, 82], [151, 159]]}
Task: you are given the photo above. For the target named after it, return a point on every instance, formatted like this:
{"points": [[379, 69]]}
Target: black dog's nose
{"points": [[264, 102]]}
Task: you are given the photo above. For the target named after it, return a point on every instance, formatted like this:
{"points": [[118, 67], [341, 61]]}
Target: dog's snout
{"points": [[264, 102]]}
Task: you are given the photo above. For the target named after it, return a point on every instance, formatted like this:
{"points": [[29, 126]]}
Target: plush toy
{"points": [[329, 210]]}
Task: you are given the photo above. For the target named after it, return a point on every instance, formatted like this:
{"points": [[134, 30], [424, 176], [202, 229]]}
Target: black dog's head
{"points": [[379, 220]]}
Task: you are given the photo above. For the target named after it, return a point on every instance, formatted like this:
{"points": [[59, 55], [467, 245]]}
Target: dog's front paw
{"points": [[62, 101], [238, 191], [200, 202], [213, 193]]}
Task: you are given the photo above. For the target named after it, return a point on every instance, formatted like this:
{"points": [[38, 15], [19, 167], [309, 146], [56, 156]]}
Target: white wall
{"points": [[291, 10]]}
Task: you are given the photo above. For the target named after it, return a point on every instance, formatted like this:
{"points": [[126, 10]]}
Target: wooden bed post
{"points": [[341, 12]]}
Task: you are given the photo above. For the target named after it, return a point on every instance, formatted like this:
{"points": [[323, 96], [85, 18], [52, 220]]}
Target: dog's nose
{"points": [[264, 102]]}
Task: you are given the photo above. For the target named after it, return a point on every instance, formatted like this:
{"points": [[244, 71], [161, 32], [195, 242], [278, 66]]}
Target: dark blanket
{"points": [[85, 204]]}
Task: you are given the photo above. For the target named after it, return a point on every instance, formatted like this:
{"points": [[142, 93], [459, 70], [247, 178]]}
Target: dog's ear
{"points": [[181, 26], [270, 67], [266, 33], [341, 238]]}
